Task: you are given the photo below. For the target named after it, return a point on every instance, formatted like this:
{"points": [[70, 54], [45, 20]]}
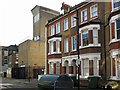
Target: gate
{"points": [[19, 73]]}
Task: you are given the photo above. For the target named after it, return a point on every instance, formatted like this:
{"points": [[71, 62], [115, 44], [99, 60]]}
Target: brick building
{"points": [[112, 19], [62, 40], [32, 52]]}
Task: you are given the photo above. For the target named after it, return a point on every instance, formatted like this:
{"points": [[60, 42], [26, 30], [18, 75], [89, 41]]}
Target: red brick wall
{"points": [[90, 50], [115, 45], [54, 56]]}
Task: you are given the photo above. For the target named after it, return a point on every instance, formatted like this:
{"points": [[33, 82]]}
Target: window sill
{"points": [[65, 29], [54, 53], [115, 9], [66, 52], [114, 40], [73, 50], [90, 45], [73, 26], [92, 18]]}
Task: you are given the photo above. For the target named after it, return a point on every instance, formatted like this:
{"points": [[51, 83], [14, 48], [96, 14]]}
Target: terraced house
{"points": [[113, 39], [62, 40]]}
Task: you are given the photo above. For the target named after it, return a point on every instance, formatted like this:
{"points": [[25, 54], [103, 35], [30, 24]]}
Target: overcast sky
{"points": [[16, 20]]}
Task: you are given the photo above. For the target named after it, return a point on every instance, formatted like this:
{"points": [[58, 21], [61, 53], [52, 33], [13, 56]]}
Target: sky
{"points": [[16, 19]]}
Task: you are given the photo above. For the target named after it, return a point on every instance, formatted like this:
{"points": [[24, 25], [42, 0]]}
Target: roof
{"points": [[71, 9]]}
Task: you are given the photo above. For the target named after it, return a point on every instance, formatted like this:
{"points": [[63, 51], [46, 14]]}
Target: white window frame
{"points": [[57, 68], [91, 11], [73, 20], [113, 5], [65, 21], [58, 28], [73, 43], [51, 47], [51, 68], [85, 67], [66, 46], [95, 37], [86, 31], [52, 30], [57, 46], [83, 16], [96, 67], [116, 28], [36, 18]]}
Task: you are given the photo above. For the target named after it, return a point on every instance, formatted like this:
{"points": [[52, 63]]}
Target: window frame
{"points": [[66, 46], [65, 28], [72, 42], [73, 20], [87, 38], [85, 67], [57, 27], [117, 29], [36, 18], [83, 16], [51, 47], [113, 6], [95, 36], [91, 11], [52, 30]]}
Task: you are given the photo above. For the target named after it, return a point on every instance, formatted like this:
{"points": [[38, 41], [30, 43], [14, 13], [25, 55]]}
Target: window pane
{"points": [[51, 47], [57, 68], [118, 34], [58, 27], [85, 38], [95, 67], [116, 4], [118, 24], [66, 45], [74, 43], [85, 67]]}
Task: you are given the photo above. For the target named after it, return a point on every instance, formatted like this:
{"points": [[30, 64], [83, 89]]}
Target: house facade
{"points": [[62, 40], [113, 40]]}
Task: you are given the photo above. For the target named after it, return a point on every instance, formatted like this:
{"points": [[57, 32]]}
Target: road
{"points": [[18, 83]]}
